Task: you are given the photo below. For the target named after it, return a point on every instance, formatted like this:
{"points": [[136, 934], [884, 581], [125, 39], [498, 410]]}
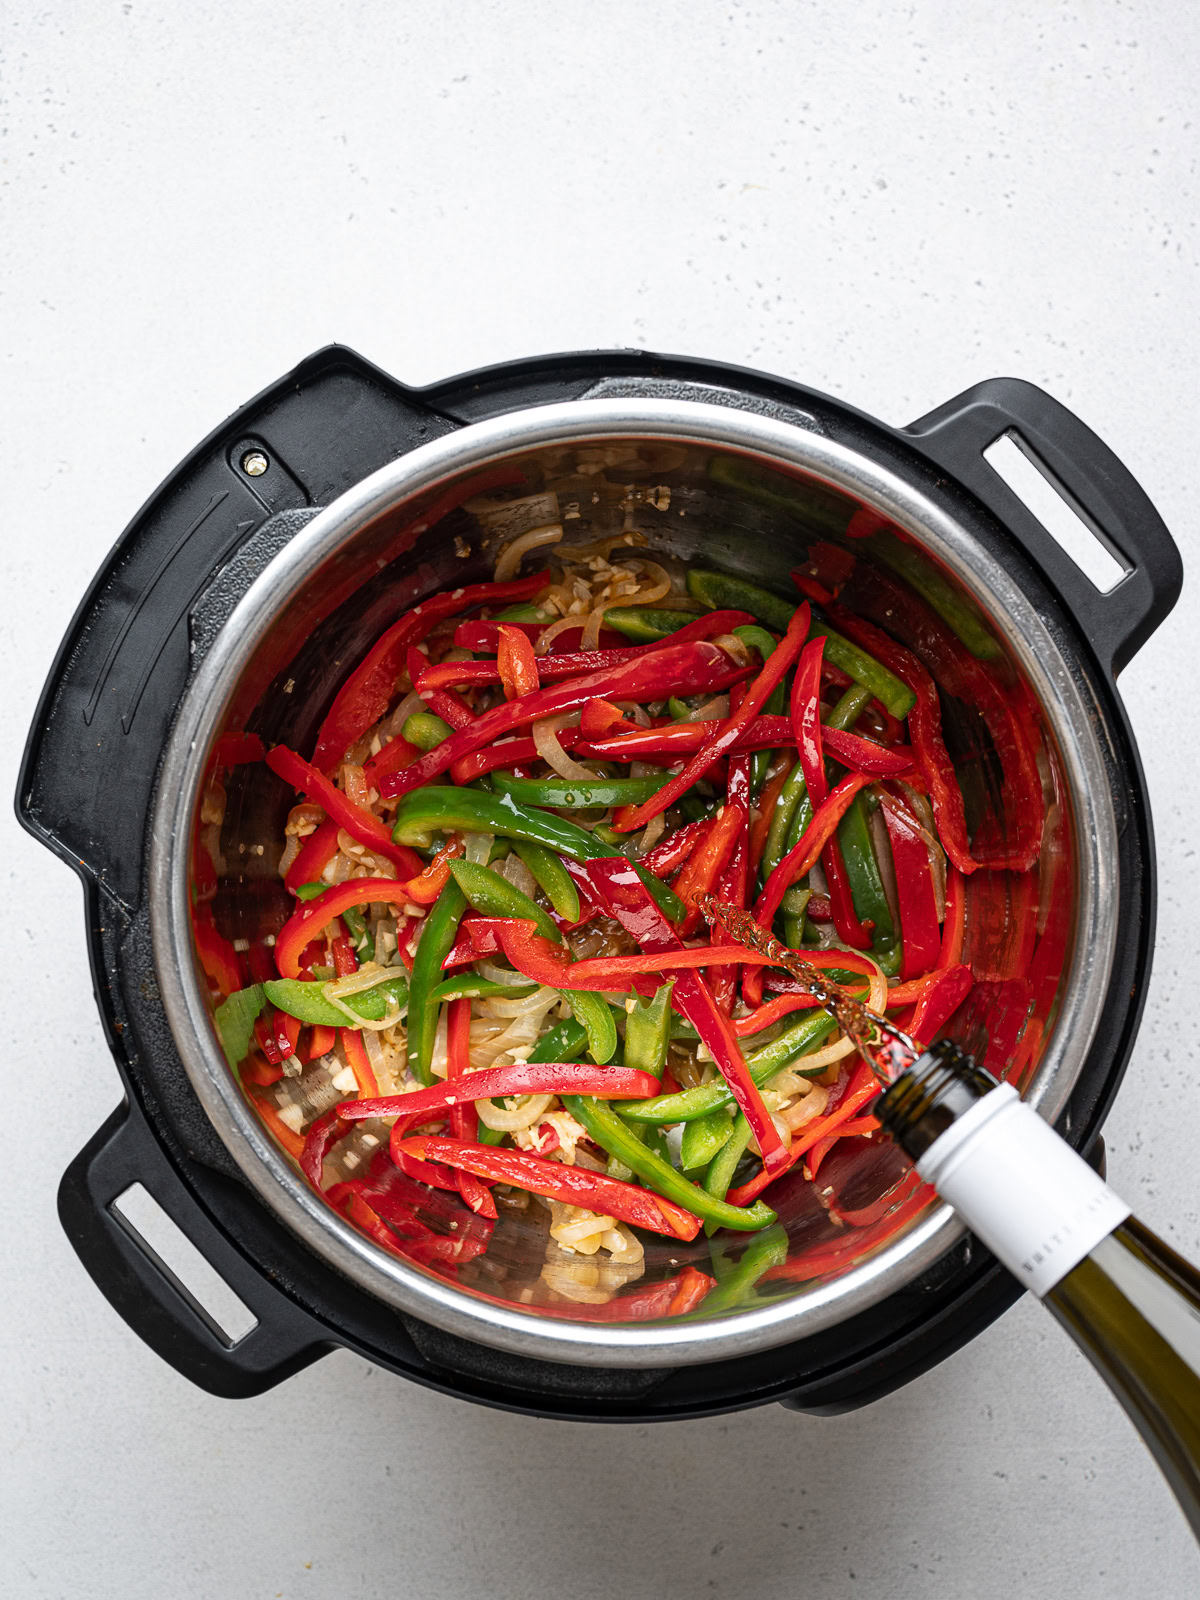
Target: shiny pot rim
{"points": [[1067, 704]]}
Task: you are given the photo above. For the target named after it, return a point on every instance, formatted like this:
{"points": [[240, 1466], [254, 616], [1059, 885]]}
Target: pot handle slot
{"points": [[1085, 473], [150, 1296]]}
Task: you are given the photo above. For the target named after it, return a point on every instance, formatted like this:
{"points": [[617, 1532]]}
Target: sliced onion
{"points": [[589, 639], [651, 833], [735, 647], [714, 710], [542, 999], [658, 590], [509, 560], [551, 632], [518, 874], [882, 846], [502, 1119], [478, 847], [495, 974], [923, 812], [545, 740]]}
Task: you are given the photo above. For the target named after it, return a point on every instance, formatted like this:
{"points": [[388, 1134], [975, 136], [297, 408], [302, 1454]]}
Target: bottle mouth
{"points": [[937, 1089]]}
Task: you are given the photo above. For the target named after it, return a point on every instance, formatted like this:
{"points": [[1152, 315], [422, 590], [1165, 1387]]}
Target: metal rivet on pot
{"points": [[254, 463]]}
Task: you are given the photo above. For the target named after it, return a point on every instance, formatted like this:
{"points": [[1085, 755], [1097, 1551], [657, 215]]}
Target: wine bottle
{"points": [[1126, 1298]]}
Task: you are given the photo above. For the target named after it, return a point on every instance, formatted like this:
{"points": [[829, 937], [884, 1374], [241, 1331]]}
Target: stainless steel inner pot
{"points": [[396, 537]]}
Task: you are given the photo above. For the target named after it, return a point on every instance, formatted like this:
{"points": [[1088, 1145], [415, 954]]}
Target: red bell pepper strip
{"points": [[678, 740], [800, 999], [320, 1139], [954, 921], [507, 753], [915, 896], [482, 636], [477, 937], [806, 724], [517, 663], [321, 1041], [217, 956], [396, 753], [358, 1061], [627, 818], [345, 962], [312, 916], [599, 717], [862, 1089], [575, 1186], [888, 601], [523, 1077], [314, 855], [950, 986], [424, 889], [818, 908], [674, 850], [443, 702], [278, 1037], [367, 692], [675, 668], [464, 1124], [731, 880], [360, 823], [269, 1112], [546, 963], [258, 1070], [925, 731], [848, 1130], [629, 901], [238, 749], [413, 1167], [708, 860], [570, 664]]}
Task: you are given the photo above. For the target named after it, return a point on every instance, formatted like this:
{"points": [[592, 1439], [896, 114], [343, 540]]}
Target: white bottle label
{"points": [[1034, 1202]]}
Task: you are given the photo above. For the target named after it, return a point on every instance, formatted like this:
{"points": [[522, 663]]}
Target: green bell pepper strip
{"points": [[724, 1164], [360, 933], [677, 711], [703, 1138], [552, 878], [821, 509], [956, 612], [235, 1018], [470, 986], [571, 794], [866, 886], [425, 730], [648, 1032], [611, 1134], [689, 1104], [437, 939], [787, 807], [644, 624], [423, 811], [307, 1001], [721, 591], [310, 891], [493, 896], [522, 613], [736, 1285]]}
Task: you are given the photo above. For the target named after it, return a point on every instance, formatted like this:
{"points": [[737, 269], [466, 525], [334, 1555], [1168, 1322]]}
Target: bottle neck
{"points": [[940, 1087], [1033, 1201]]}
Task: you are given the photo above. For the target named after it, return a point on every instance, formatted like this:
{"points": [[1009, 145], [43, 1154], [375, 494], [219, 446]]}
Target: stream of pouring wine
{"points": [[884, 1047]]}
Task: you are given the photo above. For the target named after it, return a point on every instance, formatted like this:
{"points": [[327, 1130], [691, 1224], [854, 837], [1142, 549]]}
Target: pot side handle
{"points": [[1093, 482], [145, 1292]]}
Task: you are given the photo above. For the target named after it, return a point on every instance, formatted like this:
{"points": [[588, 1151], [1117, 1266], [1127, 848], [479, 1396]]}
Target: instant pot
{"points": [[248, 587]]}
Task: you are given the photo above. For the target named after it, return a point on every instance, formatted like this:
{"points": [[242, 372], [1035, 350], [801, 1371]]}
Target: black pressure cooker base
{"points": [[87, 785]]}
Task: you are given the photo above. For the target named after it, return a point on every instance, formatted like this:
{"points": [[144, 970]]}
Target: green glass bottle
{"points": [[1126, 1298]]}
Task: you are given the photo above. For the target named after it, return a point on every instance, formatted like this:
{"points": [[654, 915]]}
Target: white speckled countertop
{"points": [[886, 202]]}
